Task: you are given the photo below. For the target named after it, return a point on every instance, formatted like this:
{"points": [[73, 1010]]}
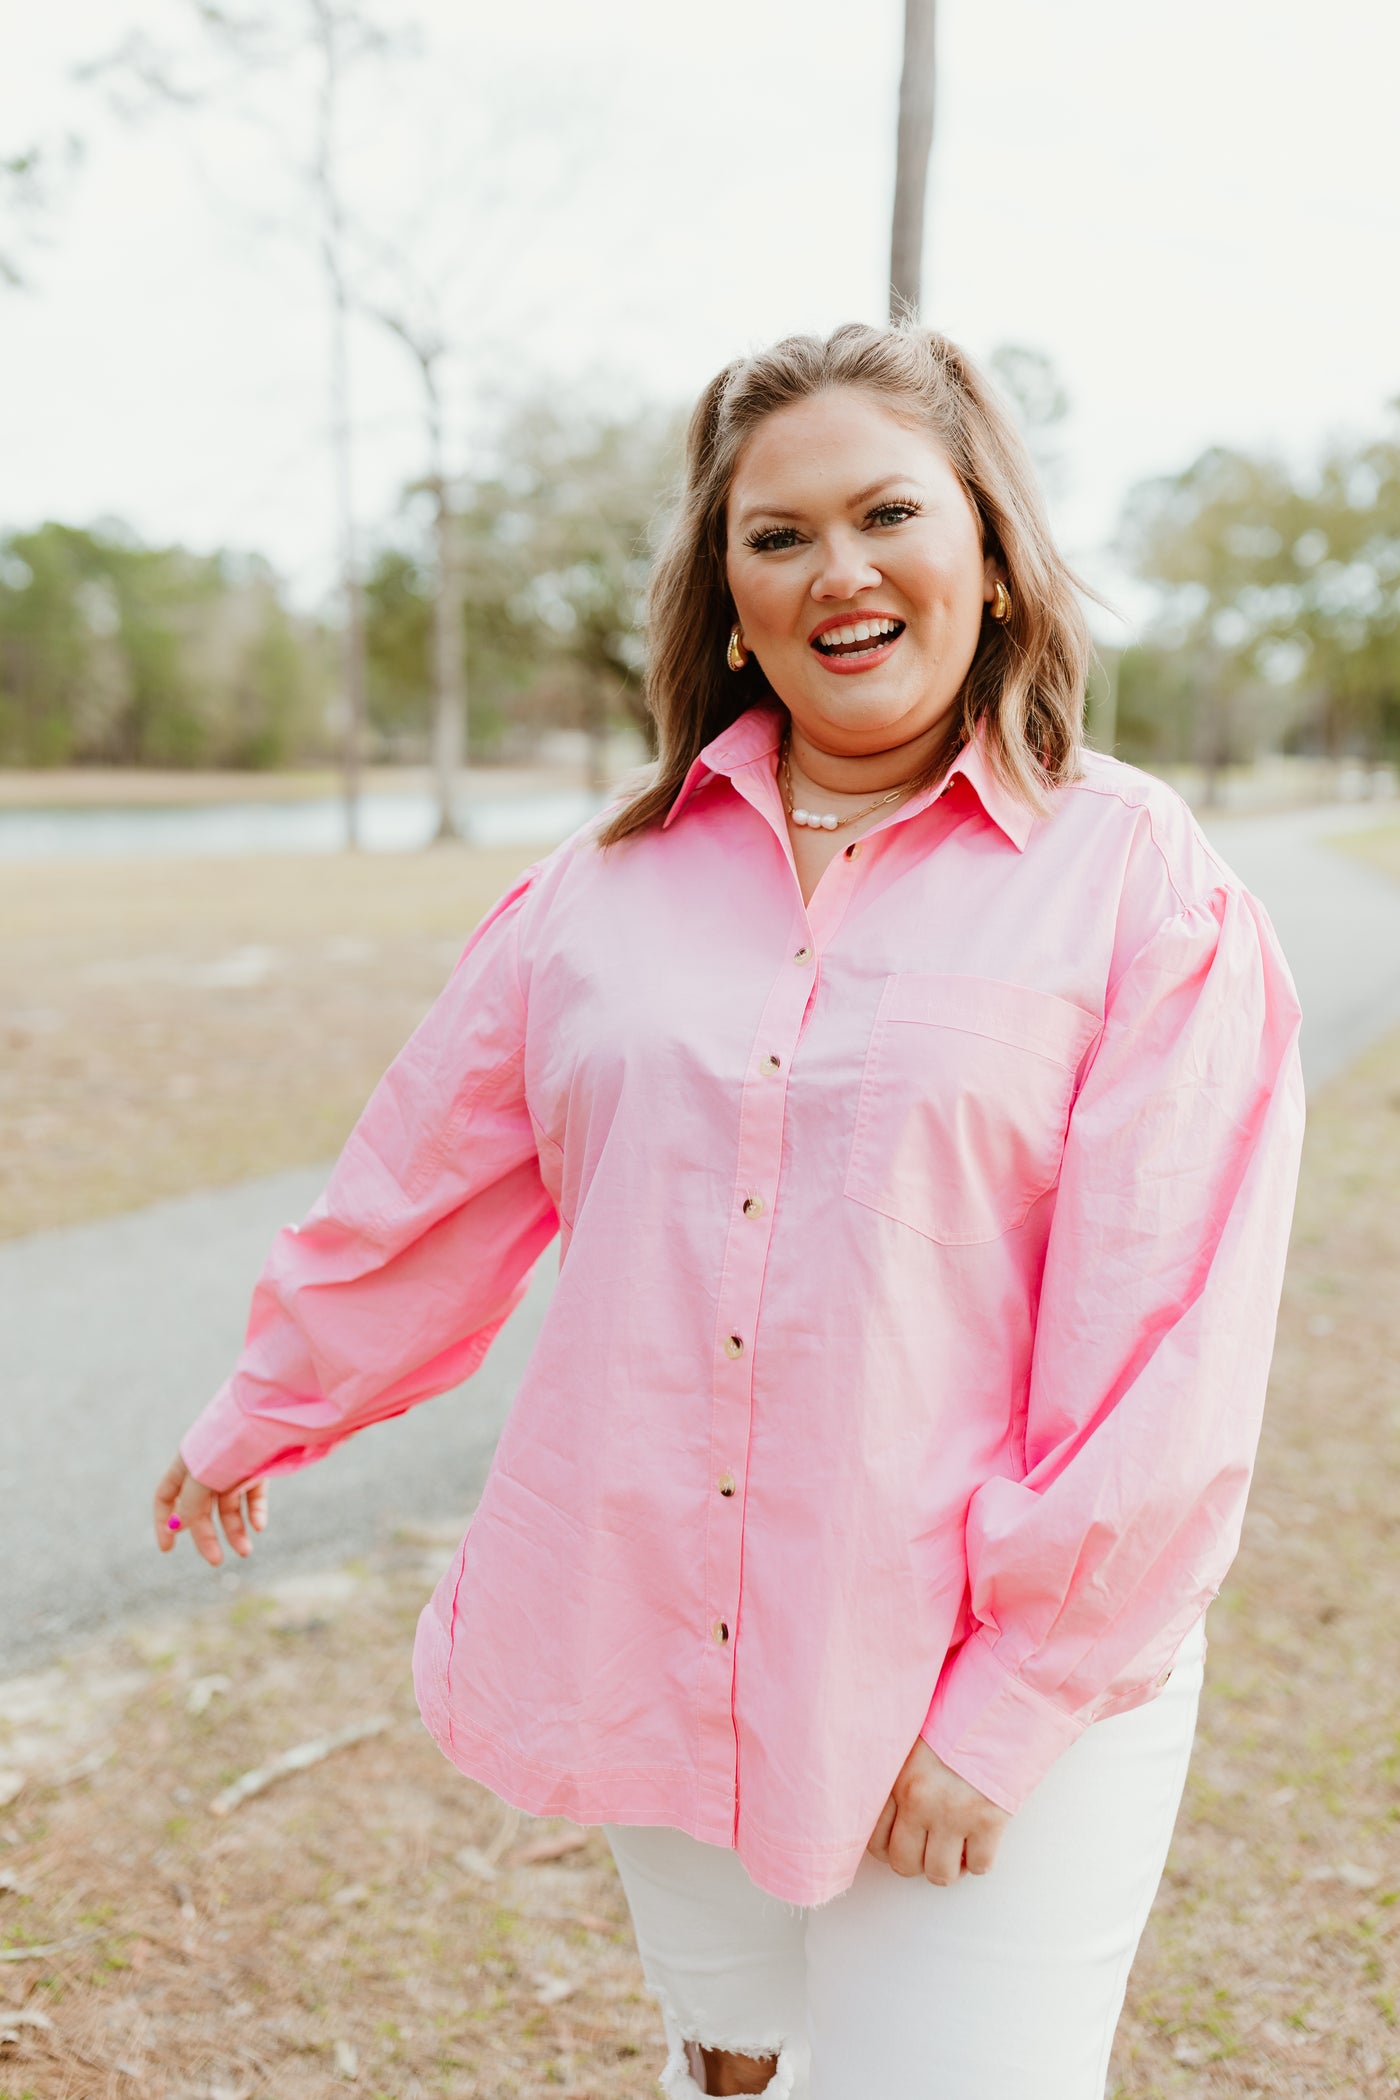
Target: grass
{"points": [[176, 1025], [373, 1925], [1380, 847]]}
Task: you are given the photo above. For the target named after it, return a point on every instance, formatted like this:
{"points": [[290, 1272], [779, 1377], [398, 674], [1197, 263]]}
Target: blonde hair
{"points": [[1027, 679]]}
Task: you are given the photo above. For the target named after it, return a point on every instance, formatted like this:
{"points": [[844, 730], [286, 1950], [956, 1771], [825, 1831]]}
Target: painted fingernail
{"points": [[172, 1523]]}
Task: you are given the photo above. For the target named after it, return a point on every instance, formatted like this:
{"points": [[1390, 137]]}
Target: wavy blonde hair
{"points": [[1027, 679]]}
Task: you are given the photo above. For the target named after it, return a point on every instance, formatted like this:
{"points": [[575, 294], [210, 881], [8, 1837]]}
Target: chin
{"points": [[870, 708]]}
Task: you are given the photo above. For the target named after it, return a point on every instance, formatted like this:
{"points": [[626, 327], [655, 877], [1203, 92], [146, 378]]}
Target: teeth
{"points": [[860, 631]]}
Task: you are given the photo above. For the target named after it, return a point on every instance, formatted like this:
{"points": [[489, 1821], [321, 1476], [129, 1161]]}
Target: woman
{"points": [[916, 1097]]}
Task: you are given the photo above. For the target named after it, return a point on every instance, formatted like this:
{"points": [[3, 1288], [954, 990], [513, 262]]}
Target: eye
{"points": [[893, 513], [772, 539]]}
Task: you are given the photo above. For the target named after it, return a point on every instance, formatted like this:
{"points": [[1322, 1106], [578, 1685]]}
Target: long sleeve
{"points": [[420, 1246], [1153, 1340]]}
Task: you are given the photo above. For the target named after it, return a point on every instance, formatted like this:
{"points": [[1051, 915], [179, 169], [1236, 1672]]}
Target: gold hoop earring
{"points": [[1000, 607], [736, 655]]}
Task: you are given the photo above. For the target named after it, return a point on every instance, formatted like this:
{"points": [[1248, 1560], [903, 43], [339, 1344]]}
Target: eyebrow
{"points": [[768, 510]]}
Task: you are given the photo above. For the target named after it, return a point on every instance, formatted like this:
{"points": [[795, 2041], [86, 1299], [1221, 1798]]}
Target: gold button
{"points": [[720, 1632], [726, 1483], [733, 1345], [753, 1206], [803, 955], [772, 1064]]}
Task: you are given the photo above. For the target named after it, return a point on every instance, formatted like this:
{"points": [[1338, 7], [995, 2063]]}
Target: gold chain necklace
{"points": [[809, 818]]}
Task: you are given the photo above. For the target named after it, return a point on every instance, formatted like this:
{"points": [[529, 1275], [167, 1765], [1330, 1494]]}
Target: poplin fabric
{"points": [[920, 1251]]}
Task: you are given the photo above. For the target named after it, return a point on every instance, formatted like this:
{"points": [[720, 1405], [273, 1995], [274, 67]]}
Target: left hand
{"points": [[935, 1823], [178, 1492]]}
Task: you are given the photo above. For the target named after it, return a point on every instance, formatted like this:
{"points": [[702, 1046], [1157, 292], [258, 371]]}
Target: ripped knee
{"points": [[733, 2071]]}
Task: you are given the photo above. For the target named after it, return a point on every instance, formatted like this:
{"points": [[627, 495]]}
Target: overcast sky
{"points": [[1193, 207]]}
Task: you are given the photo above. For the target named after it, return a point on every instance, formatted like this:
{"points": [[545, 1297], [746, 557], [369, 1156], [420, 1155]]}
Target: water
{"points": [[389, 823]]}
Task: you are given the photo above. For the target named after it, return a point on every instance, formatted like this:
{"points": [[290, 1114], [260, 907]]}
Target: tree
{"points": [[913, 145], [1278, 620], [556, 540], [30, 184], [112, 652], [244, 46], [426, 344]]}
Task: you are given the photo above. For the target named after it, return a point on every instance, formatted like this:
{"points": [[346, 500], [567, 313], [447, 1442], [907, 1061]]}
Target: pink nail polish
{"points": [[172, 1523]]}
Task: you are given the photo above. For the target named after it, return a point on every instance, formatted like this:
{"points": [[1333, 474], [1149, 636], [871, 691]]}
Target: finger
{"points": [[982, 1850], [879, 1844], [230, 1508], [196, 1508], [907, 1845], [257, 1505], [163, 1502], [942, 1860]]}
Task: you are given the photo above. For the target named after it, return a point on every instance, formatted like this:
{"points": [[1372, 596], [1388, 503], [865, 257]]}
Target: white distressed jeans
{"points": [[1003, 1986]]}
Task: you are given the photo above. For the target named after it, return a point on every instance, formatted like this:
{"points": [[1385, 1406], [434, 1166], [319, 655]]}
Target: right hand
{"points": [[179, 1494]]}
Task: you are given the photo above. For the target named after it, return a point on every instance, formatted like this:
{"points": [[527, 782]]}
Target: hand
{"points": [[178, 1493], [932, 1818]]}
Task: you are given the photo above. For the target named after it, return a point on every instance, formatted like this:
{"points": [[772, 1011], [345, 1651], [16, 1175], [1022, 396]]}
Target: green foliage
{"points": [[114, 652], [1279, 596], [556, 540]]}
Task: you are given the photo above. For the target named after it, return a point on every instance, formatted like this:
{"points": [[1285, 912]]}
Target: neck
{"points": [[842, 773]]}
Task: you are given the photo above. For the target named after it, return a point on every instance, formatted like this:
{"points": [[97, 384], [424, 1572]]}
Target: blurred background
{"points": [[344, 350]]}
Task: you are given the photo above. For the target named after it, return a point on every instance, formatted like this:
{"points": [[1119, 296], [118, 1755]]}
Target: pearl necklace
{"points": [[809, 818]]}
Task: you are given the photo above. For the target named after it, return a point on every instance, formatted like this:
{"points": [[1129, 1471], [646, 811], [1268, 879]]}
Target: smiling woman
{"points": [[916, 1098], [861, 519]]}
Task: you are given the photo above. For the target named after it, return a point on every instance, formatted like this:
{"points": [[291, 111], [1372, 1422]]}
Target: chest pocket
{"points": [[964, 1102]]}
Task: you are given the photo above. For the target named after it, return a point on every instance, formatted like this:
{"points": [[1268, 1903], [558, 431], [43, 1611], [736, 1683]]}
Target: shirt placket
{"points": [[762, 1112]]}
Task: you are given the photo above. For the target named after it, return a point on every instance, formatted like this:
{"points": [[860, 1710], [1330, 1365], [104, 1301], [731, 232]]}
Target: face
{"points": [[855, 561]]}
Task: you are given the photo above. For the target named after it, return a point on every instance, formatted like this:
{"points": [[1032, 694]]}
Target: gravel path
{"points": [[116, 1332]]}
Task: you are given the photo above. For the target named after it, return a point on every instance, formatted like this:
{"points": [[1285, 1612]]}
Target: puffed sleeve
{"points": [[396, 1282], [1153, 1340]]}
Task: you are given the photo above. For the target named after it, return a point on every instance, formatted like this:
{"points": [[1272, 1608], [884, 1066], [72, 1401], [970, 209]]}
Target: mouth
{"points": [[845, 644]]}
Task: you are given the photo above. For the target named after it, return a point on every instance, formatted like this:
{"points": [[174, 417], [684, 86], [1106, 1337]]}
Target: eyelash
{"points": [[762, 541]]}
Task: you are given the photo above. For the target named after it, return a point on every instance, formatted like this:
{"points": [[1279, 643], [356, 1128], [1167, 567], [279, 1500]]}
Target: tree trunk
{"points": [[353, 643], [916, 84], [449, 666], [332, 260], [595, 723]]}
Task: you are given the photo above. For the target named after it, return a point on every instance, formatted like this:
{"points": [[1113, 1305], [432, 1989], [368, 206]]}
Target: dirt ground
{"points": [[376, 1924]]}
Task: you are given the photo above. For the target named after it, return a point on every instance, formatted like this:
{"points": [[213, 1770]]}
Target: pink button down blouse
{"points": [[920, 1253]]}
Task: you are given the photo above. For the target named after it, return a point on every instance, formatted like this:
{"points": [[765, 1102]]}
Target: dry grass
{"points": [[131, 787], [1381, 847], [176, 1025], [344, 1932]]}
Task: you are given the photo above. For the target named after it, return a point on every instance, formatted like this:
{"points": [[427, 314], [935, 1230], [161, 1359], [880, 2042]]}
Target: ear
{"points": [[993, 573]]}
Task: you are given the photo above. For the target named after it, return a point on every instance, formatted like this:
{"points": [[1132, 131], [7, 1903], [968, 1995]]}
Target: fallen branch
{"points": [[53, 1946], [297, 1760]]}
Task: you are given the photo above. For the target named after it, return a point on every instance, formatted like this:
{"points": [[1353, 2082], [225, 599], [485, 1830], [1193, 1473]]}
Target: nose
{"points": [[844, 567]]}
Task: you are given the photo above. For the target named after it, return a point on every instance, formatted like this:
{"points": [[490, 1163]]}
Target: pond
{"points": [[389, 823]]}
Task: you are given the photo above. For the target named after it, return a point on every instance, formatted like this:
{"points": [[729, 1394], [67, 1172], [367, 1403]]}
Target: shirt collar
{"points": [[758, 732]]}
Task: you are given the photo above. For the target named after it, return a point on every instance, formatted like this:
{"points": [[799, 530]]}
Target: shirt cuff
{"points": [[225, 1448], [993, 1730]]}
